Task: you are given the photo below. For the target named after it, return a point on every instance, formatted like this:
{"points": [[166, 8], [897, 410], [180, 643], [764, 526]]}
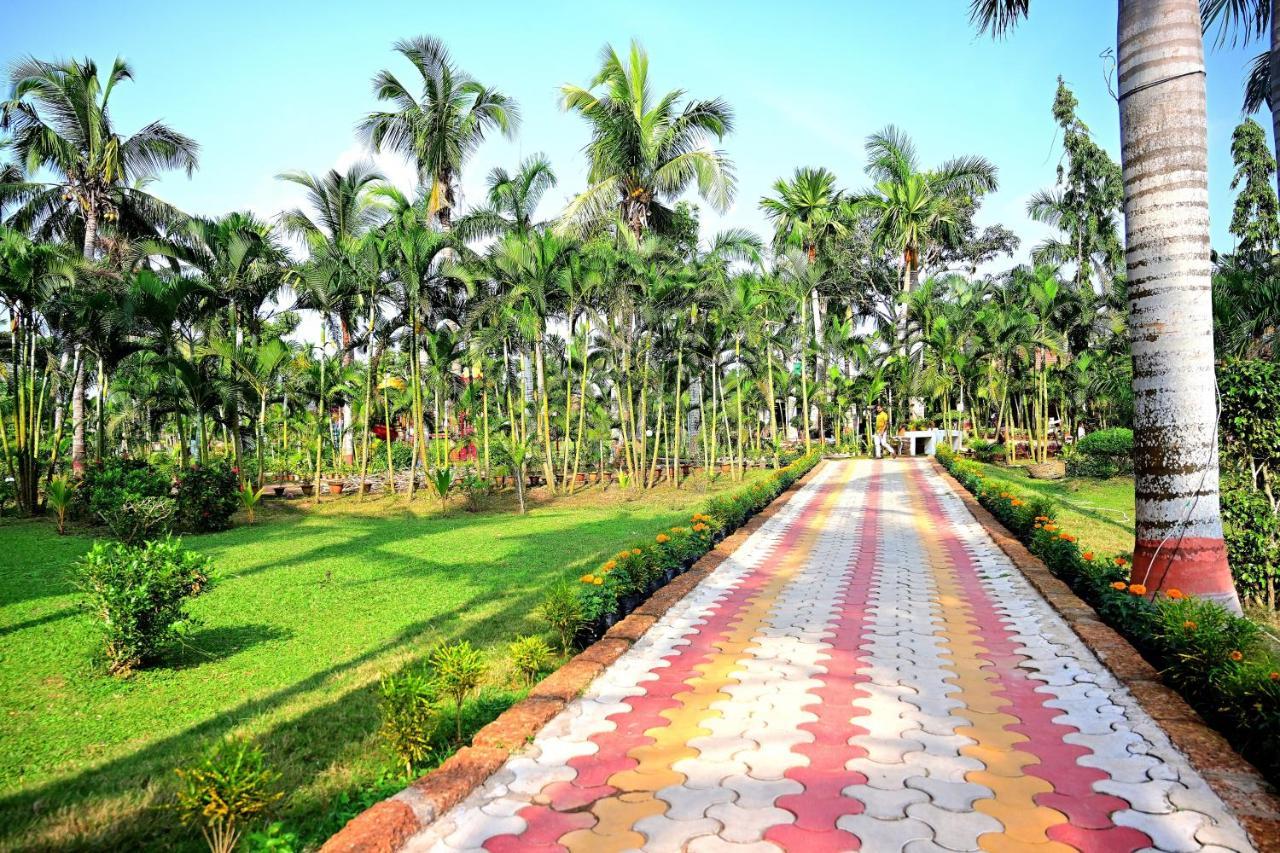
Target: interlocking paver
{"points": [[867, 670]]}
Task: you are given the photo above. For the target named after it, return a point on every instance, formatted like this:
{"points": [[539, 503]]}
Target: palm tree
{"points": [[917, 209], [1164, 154], [443, 126], [511, 201], [643, 152], [805, 209], [58, 119]]}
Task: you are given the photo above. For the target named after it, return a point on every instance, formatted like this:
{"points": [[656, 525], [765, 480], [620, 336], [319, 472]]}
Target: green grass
{"points": [[309, 608], [1099, 512]]}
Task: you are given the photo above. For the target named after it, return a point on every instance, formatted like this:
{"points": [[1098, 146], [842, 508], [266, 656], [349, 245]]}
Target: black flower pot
{"points": [[587, 634], [611, 619], [628, 602], [717, 537], [669, 575]]}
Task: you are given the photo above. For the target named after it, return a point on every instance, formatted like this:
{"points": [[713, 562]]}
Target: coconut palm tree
{"points": [[441, 127], [58, 120], [1164, 154], [644, 152]]}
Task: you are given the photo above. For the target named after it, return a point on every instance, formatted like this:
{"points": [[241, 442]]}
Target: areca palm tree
{"points": [[58, 120], [644, 152], [1164, 154], [443, 125], [511, 201], [804, 209], [918, 209]]}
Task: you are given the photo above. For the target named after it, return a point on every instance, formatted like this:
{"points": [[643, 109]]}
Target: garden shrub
{"points": [[406, 705], [110, 484], [985, 451], [1220, 662], [564, 612], [138, 519], [138, 594], [531, 656], [227, 790], [208, 495], [458, 669], [1103, 454]]}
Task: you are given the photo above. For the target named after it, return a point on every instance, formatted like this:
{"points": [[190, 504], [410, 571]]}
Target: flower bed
{"points": [[1220, 663], [622, 582]]}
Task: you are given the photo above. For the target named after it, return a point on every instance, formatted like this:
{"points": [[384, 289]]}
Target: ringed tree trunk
{"points": [[77, 385], [1164, 152]]}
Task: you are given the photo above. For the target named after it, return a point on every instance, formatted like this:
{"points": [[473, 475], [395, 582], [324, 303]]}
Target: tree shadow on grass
{"points": [[214, 644], [70, 814]]}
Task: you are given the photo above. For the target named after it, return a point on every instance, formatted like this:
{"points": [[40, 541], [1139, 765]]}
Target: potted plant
{"points": [[308, 488], [278, 490], [335, 487]]}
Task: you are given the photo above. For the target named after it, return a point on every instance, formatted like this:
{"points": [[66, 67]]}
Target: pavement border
{"points": [[387, 825], [1237, 783]]}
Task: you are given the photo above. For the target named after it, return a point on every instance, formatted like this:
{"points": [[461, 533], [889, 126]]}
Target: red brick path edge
{"points": [[386, 826], [1237, 782]]}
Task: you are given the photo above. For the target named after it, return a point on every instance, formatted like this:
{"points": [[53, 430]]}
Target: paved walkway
{"points": [[868, 671]]}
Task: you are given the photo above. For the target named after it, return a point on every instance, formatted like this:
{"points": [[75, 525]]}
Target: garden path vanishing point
{"points": [[867, 671]]}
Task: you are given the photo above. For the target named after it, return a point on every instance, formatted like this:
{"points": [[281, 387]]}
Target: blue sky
{"points": [[272, 86]]}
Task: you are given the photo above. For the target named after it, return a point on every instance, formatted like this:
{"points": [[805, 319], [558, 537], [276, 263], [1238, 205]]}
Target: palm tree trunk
{"points": [[1164, 152], [1273, 84], [548, 463], [582, 406], [677, 422]]}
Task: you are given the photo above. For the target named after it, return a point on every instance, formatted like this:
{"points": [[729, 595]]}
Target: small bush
{"points": [[562, 610], [138, 594], [227, 790], [1104, 453], [985, 451], [531, 656], [458, 670], [142, 518], [60, 496], [108, 485], [208, 495], [406, 704]]}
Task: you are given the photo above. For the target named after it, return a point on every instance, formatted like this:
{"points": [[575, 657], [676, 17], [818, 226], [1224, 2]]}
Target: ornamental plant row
{"points": [[1222, 664], [622, 582]]}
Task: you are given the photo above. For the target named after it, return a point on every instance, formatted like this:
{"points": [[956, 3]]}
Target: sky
{"points": [[267, 87]]}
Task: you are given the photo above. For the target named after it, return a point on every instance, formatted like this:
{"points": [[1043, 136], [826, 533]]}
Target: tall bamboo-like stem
{"points": [[321, 413], [677, 421], [391, 462], [742, 459], [804, 377], [582, 404], [547, 462], [368, 404]]}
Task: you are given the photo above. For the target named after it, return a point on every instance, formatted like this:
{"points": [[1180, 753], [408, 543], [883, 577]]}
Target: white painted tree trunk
{"points": [[1164, 154]]}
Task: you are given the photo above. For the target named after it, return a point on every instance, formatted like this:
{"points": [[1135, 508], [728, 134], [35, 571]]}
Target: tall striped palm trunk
{"points": [[1165, 160]]}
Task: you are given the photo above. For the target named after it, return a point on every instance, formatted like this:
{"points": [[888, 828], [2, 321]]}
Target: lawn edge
{"points": [[386, 826], [1239, 784]]}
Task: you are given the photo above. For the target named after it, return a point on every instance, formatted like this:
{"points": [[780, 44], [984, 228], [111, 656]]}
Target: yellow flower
{"points": [[588, 578], [1137, 589], [611, 565], [1236, 655], [700, 527], [636, 552], [662, 538], [599, 581], [1119, 586]]}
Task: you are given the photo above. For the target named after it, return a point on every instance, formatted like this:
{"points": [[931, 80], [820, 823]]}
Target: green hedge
{"points": [[1219, 662], [1103, 454], [632, 572]]}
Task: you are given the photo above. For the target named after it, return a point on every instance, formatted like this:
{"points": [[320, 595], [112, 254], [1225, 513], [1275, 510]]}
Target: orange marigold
{"points": [[1137, 589], [1236, 655], [636, 552], [587, 578], [1275, 676], [1088, 555], [1175, 594], [700, 527], [1121, 561], [611, 565], [599, 581], [1119, 586], [1015, 502], [1066, 537], [1189, 625], [662, 538]]}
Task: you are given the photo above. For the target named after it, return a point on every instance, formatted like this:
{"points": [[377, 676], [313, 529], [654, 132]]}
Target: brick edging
{"points": [[1237, 783], [386, 826]]}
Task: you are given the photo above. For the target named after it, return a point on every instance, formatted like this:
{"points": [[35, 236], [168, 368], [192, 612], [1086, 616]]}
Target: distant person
{"points": [[882, 432]]}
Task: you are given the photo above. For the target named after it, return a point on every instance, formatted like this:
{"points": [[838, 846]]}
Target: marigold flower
{"points": [[599, 581], [1236, 655], [1275, 676], [662, 538], [1037, 525], [611, 565], [1015, 502], [1175, 594], [1088, 555], [700, 527], [1190, 625], [636, 552], [1119, 586], [588, 579], [1121, 561], [1137, 589], [1066, 537]]}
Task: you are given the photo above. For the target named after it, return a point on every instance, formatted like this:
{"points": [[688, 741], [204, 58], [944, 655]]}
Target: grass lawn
{"points": [[310, 606], [1100, 512]]}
